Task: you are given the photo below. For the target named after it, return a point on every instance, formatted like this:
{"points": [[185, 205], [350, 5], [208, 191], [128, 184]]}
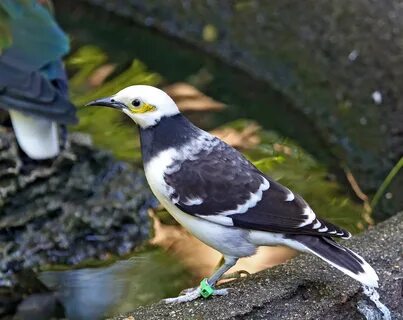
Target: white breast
{"points": [[228, 240]]}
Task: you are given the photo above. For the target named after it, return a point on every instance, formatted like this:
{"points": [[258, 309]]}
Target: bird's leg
{"points": [[220, 263], [229, 262], [233, 275], [206, 287]]}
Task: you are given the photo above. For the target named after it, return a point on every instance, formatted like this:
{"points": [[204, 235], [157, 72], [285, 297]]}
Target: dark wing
{"points": [[220, 185], [32, 93], [276, 212]]}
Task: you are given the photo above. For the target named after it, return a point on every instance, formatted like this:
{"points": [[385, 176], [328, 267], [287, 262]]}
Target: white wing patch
{"points": [[251, 202], [193, 201], [310, 216], [290, 196], [317, 225], [190, 151]]}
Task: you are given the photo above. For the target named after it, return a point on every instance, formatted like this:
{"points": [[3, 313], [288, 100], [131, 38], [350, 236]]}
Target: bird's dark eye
{"points": [[136, 102]]}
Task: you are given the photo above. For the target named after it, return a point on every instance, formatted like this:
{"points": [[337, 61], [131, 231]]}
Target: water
{"points": [[93, 293], [376, 311], [289, 149]]}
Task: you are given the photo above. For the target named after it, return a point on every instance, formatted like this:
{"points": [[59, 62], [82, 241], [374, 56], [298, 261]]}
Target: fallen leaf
{"points": [[282, 149], [188, 98], [100, 74], [247, 138], [182, 90]]}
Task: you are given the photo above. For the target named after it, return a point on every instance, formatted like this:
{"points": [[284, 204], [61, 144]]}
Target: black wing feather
{"points": [[212, 178], [221, 179]]}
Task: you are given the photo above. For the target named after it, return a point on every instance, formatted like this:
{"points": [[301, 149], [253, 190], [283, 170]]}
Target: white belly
{"points": [[229, 241]]}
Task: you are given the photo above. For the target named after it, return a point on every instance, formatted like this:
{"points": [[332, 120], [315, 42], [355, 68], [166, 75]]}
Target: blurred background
{"points": [[308, 91]]}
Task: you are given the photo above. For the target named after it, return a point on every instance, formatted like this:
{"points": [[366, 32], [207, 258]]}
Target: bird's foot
{"points": [[189, 295], [187, 291], [204, 290], [236, 275], [193, 294]]}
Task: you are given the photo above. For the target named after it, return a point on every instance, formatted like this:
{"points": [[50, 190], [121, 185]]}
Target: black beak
{"points": [[107, 102]]}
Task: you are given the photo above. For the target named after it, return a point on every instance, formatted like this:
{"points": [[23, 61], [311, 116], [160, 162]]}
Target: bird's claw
{"points": [[194, 293], [221, 292], [190, 295], [186, 291]]}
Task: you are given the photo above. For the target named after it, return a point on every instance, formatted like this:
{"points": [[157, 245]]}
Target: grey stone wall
{"points": [[339, 61]]}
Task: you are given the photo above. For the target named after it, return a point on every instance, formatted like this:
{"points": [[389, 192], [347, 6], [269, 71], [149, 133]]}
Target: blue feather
{"points": [[37, 38], [32, 77]]}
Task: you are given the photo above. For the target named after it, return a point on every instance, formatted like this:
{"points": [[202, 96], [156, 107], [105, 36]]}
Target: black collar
{"points": [[169, 132]]}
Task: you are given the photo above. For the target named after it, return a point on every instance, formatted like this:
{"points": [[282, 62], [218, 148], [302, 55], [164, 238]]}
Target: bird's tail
{"points": [[339, 257]]}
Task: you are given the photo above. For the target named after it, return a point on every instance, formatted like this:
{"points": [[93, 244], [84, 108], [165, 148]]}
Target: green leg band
{"points": [[205, 289]]}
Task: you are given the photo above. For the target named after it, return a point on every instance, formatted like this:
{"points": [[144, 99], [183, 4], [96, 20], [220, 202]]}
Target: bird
{"points": [[33, 82], [220, 197]]}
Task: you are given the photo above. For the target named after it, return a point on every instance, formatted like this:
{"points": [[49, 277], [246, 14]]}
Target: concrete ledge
{"points": [[305, 288]]}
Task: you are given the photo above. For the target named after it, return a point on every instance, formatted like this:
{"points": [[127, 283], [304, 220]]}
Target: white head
{"points": [[146, 105]]}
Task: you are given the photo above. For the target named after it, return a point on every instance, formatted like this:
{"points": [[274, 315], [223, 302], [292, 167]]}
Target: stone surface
{"points": [[84, 205], [305, 287]]}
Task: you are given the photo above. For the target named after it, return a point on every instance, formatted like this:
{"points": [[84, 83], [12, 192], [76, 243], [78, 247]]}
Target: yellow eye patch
{"points": [[145, 107]]}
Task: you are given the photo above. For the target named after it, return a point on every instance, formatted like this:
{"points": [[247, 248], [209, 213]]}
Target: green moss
{"points": [[5, 32], [107, 127]]}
